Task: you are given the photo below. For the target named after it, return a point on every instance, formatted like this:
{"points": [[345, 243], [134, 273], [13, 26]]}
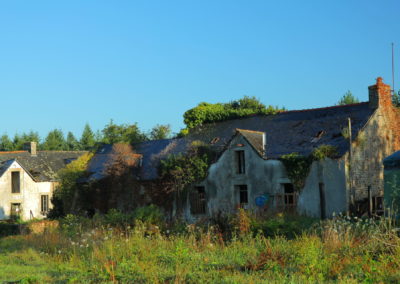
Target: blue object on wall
{"points": [[262, 200]]}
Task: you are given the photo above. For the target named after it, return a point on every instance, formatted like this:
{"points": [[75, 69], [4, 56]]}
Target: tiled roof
{"points": [[42, 167], [286, 132]]}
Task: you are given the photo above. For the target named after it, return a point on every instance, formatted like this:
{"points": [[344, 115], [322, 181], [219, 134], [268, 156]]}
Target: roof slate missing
{"points": [[286, 132], [42, 167]]}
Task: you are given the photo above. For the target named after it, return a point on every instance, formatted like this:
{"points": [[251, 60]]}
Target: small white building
{"points": [[28, 179]]}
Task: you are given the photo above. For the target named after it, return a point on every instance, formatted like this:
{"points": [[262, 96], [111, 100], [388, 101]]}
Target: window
{"points": [[15, 182], [44, 204], [322, 200], [243, 194], [240, 164], [197, 200], [290, 196], [15, 210]]}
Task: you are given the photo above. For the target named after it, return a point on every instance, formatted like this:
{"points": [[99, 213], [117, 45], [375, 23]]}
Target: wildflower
{"points": [[59, 251]]}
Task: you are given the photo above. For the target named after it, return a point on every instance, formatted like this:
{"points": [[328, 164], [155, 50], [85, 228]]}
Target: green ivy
{"points": [[207, 113], [183, 170], [298, 166]]}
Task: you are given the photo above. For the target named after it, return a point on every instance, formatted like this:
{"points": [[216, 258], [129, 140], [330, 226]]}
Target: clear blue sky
{"points": [[65, 63]]}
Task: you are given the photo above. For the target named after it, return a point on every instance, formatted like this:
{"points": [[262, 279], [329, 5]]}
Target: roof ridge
{"points": [[251, 131], [12, 152], [322, 108]]}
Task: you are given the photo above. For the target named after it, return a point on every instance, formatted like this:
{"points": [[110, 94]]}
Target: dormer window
{"points": [[240, 162], [15, 182]]}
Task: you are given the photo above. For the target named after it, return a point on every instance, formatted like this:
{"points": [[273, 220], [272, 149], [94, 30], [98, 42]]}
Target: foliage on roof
{"points": [[206, 112]]}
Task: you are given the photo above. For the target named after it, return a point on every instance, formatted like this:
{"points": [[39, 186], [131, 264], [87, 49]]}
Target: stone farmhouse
{"points": [[249, 171], [28, 179]]}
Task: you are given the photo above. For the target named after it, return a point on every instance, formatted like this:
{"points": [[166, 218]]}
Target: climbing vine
{"points": [[182, 170], [298, 166]]}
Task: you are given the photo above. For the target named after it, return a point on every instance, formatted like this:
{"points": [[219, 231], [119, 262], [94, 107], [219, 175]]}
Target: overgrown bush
{"points": [[206, 112]]}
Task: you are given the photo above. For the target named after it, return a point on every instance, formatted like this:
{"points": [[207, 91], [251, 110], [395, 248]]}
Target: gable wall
{"points": [[378, 139], [265, 177], [29, 195]]}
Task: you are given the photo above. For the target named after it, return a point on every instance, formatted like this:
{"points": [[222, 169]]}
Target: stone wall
{"points": [[379, 138]]}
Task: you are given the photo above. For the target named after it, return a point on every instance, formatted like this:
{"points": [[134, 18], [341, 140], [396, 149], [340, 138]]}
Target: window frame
{"points": [[243, 191], [197, 200], [15, 183], [44, 204], [240, 161]]}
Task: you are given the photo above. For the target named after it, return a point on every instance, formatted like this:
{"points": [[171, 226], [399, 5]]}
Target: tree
{"points": [[5, 143], [20, 140], [55, 141], [72, 142], [160, 131], [396, 99], [348, 99], [124, 133], [68, 192], [87, 139]]}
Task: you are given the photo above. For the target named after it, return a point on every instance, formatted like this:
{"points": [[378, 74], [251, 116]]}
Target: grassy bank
{"points": [[80, 250]]}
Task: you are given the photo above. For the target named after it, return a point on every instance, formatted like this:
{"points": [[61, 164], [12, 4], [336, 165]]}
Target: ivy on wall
{"points": [[298, 166]]}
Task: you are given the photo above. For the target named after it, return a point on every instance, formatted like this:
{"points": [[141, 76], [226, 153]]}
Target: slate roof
{"points": [[293, 131], [392, 161], [103, 158], [287, 132], [42, 167]]}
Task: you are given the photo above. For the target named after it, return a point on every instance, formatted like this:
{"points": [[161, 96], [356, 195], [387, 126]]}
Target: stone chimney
{"points": [[380, 95], [31, 148]]}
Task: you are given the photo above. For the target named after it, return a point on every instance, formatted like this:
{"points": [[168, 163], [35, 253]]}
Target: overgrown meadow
{"points": [[141, 248]]}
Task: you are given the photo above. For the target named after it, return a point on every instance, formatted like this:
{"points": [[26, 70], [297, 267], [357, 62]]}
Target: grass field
{"points": [[82, 251]]}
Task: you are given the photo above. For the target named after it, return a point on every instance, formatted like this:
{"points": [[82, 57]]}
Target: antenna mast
{"points": [[393, 68]]}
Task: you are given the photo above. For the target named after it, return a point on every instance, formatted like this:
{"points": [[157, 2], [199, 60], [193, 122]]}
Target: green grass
{"points": [[341, 250]]}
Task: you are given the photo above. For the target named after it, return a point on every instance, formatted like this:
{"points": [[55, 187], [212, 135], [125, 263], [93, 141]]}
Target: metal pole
{"points": [[393, 68], [352, 194]]}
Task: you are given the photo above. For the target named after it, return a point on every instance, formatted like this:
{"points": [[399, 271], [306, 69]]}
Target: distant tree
{"points": [[396, 99], [348, 99], [87, 139], [160, 132], [55, 141], [72, 142], [5, 143], [124, 133], [20, 139]]}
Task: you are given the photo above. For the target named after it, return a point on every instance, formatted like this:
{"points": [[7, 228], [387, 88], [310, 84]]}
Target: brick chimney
{"points": [[380, 94], [31, 148]]}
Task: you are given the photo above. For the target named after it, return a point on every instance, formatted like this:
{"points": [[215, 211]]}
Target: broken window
{"points": [[15, 211], [44, 204], [240, 163], [290, 197], [197, 200], [243, 194], [15, 182]]}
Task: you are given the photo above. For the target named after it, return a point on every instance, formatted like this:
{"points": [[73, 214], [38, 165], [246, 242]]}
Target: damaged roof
{"points": [[42, 167], [293, 131], [106, 156], [287, 132]]}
